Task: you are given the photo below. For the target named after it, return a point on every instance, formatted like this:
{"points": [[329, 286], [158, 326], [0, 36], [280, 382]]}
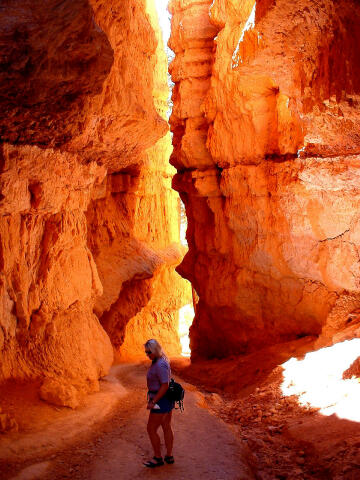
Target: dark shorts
{"points": [[165, 405]]}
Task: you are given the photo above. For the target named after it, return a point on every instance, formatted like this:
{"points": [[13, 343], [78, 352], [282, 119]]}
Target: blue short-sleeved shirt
{"points": [[158, 373]]}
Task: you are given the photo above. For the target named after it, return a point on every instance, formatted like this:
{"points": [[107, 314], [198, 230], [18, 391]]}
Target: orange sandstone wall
{"points": [[134, 226], [133, 234], [82, 168], [267, 148]]}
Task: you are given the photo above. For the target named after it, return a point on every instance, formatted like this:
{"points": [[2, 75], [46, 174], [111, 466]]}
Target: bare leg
{"points": [[155, 420], [168, 433]]}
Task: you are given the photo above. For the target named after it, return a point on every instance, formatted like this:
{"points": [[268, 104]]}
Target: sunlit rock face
{"points": [[134, 234], [266, 143], [134, 220], [83, 168]]}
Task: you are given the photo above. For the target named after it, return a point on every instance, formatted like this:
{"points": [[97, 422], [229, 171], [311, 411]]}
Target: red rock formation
{"points": [[267, 150], [134, 235], [353, 370], [83, 174]]}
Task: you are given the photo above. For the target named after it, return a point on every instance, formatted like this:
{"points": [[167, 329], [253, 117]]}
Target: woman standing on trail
{"points": [[158, 378]]}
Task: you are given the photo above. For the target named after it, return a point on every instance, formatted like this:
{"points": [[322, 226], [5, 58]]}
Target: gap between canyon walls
{"points": [[266, 144], [134, 235], [89, 222]]}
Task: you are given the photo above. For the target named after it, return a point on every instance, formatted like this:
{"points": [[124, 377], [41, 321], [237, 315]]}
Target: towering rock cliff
{"points": [[89, 226], [266, 143], [134, 225]]}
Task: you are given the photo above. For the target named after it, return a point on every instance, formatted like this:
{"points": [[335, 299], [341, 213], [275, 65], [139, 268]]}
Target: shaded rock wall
{"points": [[86, 206], [266, 143]]}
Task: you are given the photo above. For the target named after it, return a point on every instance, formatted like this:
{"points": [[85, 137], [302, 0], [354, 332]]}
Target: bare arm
{"points": [[163, 389]]}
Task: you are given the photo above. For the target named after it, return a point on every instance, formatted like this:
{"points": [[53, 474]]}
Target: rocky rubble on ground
{"points": [[267, 423], [262, 418]]}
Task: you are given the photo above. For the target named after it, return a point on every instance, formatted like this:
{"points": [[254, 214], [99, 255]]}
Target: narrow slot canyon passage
{"points": [[186, 171]]}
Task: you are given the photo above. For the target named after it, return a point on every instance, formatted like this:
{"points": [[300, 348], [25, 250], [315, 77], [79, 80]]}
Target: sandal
{"points": [[169, 459], [158, 462]]}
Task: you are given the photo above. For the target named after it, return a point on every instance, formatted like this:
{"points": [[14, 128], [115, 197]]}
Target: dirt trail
{"points": [[205, 447]]}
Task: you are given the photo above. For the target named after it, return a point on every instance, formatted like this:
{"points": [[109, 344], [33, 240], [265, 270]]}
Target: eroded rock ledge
{"points": [[266, 143]]}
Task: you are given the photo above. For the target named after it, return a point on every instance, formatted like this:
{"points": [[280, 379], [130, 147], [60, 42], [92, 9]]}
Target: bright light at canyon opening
{"points": [[164, 18], [318, 381], [186, 316]]}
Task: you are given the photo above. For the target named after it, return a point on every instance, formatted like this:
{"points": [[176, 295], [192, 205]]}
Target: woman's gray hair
{"points": [[155, 347]]}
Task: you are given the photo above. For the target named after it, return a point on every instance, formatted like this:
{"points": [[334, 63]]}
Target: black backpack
{"points": [[176, 394]]}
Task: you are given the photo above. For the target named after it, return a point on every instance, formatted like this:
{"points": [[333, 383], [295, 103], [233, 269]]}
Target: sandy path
{"points": [[205, 447]]}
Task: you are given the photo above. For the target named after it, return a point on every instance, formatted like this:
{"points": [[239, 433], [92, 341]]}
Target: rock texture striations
{"points": [[267, 148], [89, 226]]}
